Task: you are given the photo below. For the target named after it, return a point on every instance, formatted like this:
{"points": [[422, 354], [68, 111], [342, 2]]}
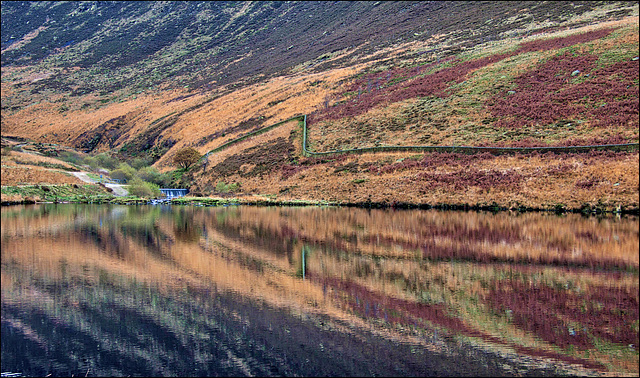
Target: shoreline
{"points": [[585, 209]]}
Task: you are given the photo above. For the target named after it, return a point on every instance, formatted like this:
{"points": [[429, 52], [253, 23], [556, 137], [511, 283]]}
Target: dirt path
{"points": [[118, 189]]}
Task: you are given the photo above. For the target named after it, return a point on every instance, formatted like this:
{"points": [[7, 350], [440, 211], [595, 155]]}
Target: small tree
{"points": [[107, 161], [124, 172], [151, 174], [186, 157], [141, 188]]}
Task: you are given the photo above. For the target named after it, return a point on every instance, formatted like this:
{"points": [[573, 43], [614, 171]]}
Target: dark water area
{"points": [[106, 290]]}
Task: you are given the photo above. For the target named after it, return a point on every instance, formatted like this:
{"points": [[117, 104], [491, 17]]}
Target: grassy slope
{"points": [[475, 110], [271, 163], [29, 173]]}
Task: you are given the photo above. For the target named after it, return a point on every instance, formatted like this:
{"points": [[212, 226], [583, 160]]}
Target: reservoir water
{"points": [[106, 290]]}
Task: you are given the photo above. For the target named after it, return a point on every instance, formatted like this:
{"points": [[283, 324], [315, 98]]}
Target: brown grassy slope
{"points": [[207, 120], [12, 176], [20, 168], [498, 97], [606, 180], [203, 126], [64, 119], [23, 164]]}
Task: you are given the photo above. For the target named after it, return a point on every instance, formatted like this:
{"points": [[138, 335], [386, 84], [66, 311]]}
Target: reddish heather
{"points": [[375, 93], [435, 84], [558, 43], [608, 96], [369, 304], [549, 313], [289, 170]]}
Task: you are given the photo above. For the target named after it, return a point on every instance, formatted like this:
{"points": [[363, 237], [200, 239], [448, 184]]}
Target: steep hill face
{"points": [[144, 79], [143, 44]]}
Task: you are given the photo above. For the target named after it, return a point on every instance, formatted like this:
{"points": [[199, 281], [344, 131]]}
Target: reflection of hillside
{"points": [[131, 329], [362, 267], [478, 237], [376, 253], [373, 305], [232, 224], [67, 301], [119, 329]]}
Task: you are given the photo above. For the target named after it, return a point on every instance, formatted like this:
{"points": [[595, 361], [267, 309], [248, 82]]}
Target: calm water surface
{"points": [[100, 290]]}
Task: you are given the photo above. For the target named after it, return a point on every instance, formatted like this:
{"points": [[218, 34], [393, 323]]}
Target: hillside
{"points": [[145, 79]]}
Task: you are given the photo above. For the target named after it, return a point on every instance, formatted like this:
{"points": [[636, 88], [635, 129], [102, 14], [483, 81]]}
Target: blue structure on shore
{"points": [[173, 193]]}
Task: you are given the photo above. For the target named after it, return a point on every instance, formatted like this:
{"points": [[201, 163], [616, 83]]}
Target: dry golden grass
{"points": [[43, 121], [15, 198], [294, 95], [25, 158], [12, 176], [616, 180]]}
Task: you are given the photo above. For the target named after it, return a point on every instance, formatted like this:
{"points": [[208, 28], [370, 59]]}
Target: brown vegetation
{"points": [[462, 99], [607, 180], [12, 176]]}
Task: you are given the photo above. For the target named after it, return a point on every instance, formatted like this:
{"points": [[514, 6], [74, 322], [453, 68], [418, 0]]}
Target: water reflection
{"points": [[162, 290]]}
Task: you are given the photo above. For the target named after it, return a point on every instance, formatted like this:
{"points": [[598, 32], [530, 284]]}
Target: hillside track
{"points": [[118, 189]]}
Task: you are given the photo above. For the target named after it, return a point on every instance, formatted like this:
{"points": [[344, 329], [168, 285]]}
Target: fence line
{"points": [[461, 149]]}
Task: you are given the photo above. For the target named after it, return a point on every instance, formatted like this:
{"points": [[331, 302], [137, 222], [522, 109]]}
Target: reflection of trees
{"points": [[184, 227]]}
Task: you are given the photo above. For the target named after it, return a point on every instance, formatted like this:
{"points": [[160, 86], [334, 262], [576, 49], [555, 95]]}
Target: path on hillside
{"points": [[118, 189]]}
